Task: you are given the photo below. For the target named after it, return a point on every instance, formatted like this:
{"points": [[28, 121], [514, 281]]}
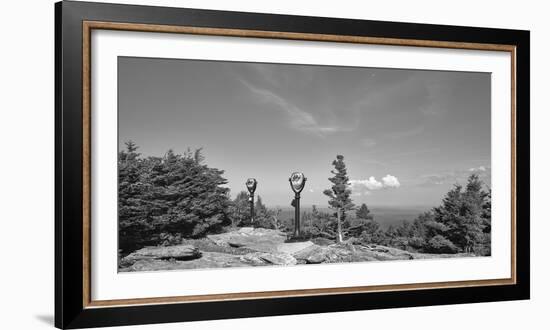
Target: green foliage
{"points": [[164, 199]]}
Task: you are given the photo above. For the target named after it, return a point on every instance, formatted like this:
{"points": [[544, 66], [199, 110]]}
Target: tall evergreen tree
{"points": [[486, 216], [339, 194], [461, 223], [363, 212], [460, 217], [239, 210], [474, 200], [190, 195], [363, 225], [134, 214], [168, 196], [259, 206], [487, 213]]}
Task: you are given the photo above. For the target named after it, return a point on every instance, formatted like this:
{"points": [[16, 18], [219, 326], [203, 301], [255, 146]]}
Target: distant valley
{"points": [[384, 215]]}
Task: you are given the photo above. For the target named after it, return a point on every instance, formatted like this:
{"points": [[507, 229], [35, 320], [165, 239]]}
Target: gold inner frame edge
{"points": [[88, 26]]}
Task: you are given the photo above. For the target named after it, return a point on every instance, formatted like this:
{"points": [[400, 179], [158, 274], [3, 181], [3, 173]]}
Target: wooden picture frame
{"points": [[74, 306]]}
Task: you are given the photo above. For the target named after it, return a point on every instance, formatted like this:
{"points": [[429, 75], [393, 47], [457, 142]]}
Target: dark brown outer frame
{"points": [[74, 23]]}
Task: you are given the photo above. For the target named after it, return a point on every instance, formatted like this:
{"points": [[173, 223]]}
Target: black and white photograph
{"points": [[273, 165], [241, 164]]}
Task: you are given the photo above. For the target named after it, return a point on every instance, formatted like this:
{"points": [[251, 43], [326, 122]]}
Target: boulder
{"points": [[313, 255], [283, 259], [322, 241], [208, 260], [249, 246], [292, 248], [316, 254], [176, 252], [212, 260], [257, 239]]}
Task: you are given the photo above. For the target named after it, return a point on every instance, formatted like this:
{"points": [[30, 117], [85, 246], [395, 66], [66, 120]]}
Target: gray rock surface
{"points": [[283, 259], [257, 239], [178, 252], [207, 260], [296, 247], [248, 247]]}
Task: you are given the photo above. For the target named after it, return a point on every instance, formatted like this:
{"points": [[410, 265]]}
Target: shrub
{"points": [[264, 220], [161, 200], [417, 243], [439, 244], [167, 239]]}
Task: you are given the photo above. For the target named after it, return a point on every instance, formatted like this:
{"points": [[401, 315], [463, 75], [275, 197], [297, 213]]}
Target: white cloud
{"points": [[297, 117], [390, 181], [456, 177], [364, 187], [478, 169], [370, 183]]}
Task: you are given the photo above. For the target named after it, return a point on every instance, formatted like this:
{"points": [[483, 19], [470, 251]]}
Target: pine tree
{"points": [[263, 217], [486, 216], [363, 212], [135, 225], [460, 217], [130, 152], [447, 216], [473, 209], [461, 223], [363, 225], [239, 210], [339, 194], [162, 198], [259, 207], [190, 195], [487, 213]]}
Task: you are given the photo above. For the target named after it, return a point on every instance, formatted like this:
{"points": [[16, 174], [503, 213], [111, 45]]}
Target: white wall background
{"points": [[27, 169]]}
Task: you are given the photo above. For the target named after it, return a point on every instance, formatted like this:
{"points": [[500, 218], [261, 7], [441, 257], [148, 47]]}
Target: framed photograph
{"points": [[214, 164]]}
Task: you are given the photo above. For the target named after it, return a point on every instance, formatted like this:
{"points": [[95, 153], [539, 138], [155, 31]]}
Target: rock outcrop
{"points": [[248, 247], [177, 252], [257, 239]]}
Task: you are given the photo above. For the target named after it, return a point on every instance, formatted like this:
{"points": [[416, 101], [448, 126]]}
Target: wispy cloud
{"points": [[405, 133], [297, 118], [373, 162], [437, 99], [456, 177], [398, 156], [364, 187], [367, 142], [270, 75]]}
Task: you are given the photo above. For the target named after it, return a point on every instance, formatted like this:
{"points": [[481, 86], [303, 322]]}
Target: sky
{"points": [[407, 136]]}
